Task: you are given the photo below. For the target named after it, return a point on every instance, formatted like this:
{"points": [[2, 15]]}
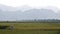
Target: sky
{"points": [[32, 3]]}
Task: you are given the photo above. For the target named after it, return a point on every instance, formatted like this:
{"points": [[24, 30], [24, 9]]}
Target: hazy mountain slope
{"points": [[28, 14], [39, 13], [11, 13]]}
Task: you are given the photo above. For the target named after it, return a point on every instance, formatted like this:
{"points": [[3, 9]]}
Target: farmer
{"points": [[11, 27]]}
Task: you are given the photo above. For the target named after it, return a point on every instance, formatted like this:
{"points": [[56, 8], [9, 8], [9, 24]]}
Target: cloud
{"points": [[33, 3]]}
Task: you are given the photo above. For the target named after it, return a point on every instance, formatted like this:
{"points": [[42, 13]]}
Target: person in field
{"points": [[11, 27]]}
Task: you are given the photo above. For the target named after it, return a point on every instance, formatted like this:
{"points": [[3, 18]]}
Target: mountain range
{"points": [[27, 13]]}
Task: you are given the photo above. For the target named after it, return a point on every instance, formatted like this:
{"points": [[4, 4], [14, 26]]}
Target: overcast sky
{"points": [[33, 3]]}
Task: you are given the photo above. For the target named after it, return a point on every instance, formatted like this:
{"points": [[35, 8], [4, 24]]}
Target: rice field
{"points": [[32, 28]]}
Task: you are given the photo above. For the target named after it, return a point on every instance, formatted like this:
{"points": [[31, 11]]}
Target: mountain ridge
{"points": [[31, 13]]}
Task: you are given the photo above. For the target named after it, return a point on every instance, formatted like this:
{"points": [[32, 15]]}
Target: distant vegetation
{"points": [[34, 21]]}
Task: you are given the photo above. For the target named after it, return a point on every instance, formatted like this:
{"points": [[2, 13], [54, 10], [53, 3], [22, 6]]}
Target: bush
{"points": [[4, 27]]}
